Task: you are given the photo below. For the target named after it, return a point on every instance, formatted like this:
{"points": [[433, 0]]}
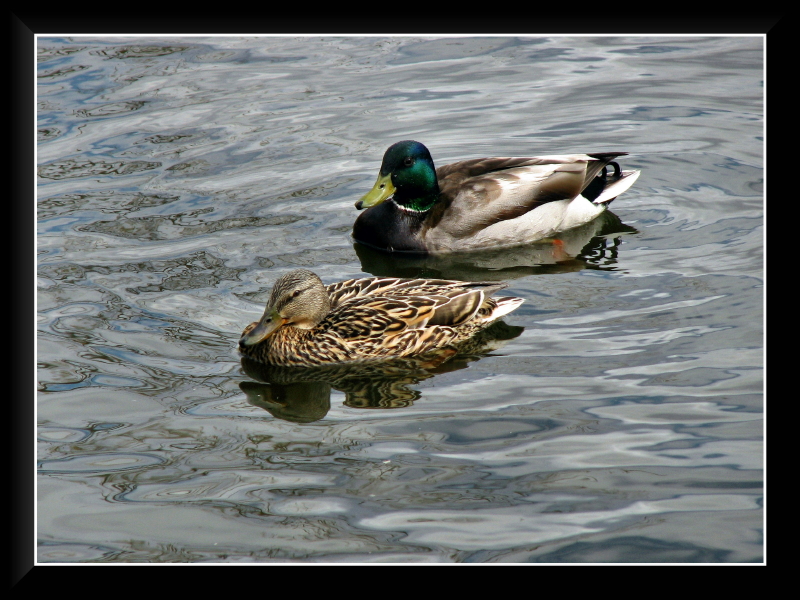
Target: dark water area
{"points": [[616, 416]]}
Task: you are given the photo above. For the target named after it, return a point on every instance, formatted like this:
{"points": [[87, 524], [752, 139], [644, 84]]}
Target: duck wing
{"points": [[420, 307], [481, 192], [410, 316], [350, 289]]}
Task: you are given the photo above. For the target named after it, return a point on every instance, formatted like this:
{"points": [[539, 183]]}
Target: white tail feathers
{"points": [[616, 188], [504, 306]]}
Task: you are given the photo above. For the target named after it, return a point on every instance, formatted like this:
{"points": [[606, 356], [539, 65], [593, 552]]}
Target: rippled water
{"points": [[617, 416]]}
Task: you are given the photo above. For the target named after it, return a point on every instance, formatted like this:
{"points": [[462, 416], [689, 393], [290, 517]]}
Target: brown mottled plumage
{"points": [[308, 324], [302, 395]]}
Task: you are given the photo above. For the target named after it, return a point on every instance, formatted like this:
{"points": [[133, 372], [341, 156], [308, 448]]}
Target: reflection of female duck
{"points": [[485, 202], [302, 394], [308, 324]]}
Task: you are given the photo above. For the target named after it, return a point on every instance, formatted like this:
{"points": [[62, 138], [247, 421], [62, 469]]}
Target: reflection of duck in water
{"points": [[485, 202], [302, 394], [309, 324], [594, 245]]}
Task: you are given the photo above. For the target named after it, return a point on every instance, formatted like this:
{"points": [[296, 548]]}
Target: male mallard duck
{"points": [[484, 202], [309, 324]]}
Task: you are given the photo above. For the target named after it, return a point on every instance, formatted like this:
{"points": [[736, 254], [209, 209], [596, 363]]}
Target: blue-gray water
{"points": [[620, 421]]}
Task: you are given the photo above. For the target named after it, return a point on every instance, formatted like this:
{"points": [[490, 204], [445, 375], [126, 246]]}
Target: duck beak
{"points": [[269, 324], [382, 189]]}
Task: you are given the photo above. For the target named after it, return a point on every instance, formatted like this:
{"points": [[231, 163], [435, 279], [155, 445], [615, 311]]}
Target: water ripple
{"points": [[99, 463], [507, 528], [179, 177]]}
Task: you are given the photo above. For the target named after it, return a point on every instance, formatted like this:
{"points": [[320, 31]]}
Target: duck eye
{"points": [[295, 293], [408, 161]]}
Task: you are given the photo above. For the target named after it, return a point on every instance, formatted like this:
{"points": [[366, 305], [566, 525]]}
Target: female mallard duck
{"points": [[309, 324], [484, 202]]}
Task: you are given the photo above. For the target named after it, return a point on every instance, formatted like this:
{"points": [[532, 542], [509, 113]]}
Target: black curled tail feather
{"points": [[600, 181]]}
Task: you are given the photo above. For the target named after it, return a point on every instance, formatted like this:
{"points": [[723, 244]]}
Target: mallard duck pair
{"points": [[414, 207]]}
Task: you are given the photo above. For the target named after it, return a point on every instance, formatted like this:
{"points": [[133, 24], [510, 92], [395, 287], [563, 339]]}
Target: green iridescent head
{"points": [[407, 175]]}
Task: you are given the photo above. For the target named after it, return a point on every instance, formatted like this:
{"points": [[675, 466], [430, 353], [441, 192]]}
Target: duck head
{"points": [[298, 299], [407, 175]]}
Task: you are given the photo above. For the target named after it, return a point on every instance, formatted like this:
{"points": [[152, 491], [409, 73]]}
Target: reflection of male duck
{"points": [[308, 324], [302, 394], [590, 246]]}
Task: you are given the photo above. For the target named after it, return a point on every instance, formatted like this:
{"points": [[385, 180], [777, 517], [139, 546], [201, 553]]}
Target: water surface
{"points": [[618, 417]]}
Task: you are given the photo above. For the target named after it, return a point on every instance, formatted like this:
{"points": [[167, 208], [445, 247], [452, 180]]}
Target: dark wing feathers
{"points": [[384, 307], [481, 192], [456, 308], [466, 169], [354, 288], [377, 286]]}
